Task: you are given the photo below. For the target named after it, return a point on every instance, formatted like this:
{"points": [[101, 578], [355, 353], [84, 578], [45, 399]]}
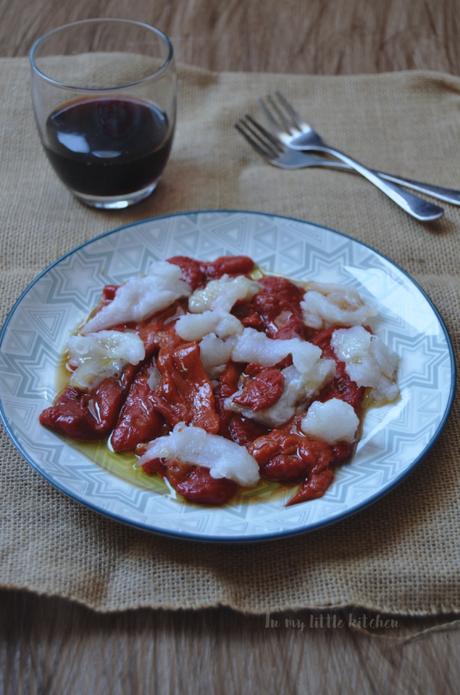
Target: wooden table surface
{"points": [[51, 646]]}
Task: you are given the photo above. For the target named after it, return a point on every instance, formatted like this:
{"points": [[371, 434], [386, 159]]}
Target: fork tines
{"points": [[279, 112], [260, 139], [281, 116], [286, 112]]}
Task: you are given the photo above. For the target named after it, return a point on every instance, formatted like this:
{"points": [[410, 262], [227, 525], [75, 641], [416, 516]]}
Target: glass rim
{"points": [[155, 74]]}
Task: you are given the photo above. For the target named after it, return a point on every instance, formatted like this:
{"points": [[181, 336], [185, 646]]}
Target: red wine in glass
{"points": [[107, 146]]}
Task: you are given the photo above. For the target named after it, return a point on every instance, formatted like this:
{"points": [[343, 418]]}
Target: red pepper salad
{"points": [[216, 376]]}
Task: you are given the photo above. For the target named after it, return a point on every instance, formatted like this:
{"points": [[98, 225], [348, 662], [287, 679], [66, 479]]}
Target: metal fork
{"points": [[274, 152], [271, 148], [290, 128]]}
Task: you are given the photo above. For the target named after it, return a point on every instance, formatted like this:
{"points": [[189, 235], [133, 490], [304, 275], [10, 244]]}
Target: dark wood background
{"points": [[316, 36], [52, 647]]}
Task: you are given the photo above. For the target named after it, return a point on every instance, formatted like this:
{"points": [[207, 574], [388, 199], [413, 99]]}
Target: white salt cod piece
{"points": [[193, 445], [141, 297], [222, 294], [165, 271], [215, 353], [100, 355], [197, 326], [254, 346], [368, 361], [298, 387], [326, 305], [333, 421]]}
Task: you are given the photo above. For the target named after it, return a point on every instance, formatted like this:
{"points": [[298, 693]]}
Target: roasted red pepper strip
{"points": [[288, 457], [274, 309], [240, 429], [321, 459], [109, 292], [197, 273], [228, 380], [310, 455], [316, 454], [278, 303], [107, 399], [139, 420], [285, 468], [228, 265], [277, 456], [248, 317], [226, 386], [315, 486], [191, 270], [154, 466], [70, 415], [88, 414], [252, 368], [185, 392], [195, 484], [261, 391], [243, 430], [158, 330], [274, 443], [341, 453]]}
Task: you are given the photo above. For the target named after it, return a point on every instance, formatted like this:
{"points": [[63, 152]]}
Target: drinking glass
{"points": [[104, 99]]}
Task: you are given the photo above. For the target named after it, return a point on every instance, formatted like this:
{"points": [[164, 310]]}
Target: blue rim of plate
{"points": [[230, 539]]}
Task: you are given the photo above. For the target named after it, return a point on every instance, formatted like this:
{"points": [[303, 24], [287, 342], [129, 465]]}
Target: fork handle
{"points": [[420, 209], [448, 195]]}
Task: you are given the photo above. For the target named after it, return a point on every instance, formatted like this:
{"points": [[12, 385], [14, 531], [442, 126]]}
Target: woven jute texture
{"points": [[402, 555]]}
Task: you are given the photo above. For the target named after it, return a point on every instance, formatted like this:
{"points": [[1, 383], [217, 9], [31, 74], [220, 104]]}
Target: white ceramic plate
{"points": [[395, 437]]}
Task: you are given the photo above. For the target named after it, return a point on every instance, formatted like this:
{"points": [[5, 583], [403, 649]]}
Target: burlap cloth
{"points": [[402, 555]]}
